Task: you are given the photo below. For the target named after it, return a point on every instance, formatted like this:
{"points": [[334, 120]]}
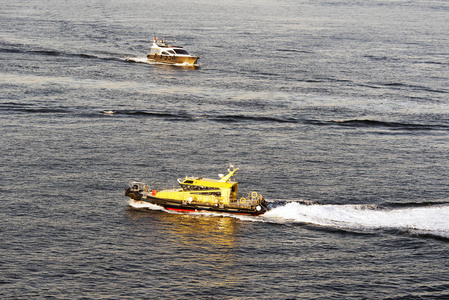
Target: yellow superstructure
{"points": [[206, 190], [201, 194]]}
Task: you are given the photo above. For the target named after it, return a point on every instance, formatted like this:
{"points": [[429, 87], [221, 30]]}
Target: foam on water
{"points": [[144, 204], [432, 220], [143, 60]]}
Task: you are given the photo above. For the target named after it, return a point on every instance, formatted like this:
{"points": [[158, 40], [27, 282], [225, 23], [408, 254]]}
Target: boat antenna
{"points": [[232, 169]]}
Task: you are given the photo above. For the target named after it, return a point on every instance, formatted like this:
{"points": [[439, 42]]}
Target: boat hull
{"points": [[174, 59], [185, 206]]}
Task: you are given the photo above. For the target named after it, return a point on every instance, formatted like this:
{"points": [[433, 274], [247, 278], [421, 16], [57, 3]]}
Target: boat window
{"points": [[188, 181], [180, 51], [171, 52], [188, 187], [164, 53]]}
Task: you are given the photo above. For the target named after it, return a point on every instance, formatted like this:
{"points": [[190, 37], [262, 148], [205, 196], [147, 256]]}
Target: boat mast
{"points": [[231, 173]]}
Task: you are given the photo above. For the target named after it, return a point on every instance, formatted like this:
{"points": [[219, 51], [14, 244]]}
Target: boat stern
{"points": [[136, 190]]}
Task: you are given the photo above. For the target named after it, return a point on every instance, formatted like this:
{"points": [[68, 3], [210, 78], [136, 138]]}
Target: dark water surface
{"points": [[337, 111]]}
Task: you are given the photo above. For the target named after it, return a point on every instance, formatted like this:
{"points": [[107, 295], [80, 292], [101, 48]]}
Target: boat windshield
{"points": [[181, 51]]}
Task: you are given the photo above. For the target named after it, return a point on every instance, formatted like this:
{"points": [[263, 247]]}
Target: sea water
{"points": [[336, 111]]}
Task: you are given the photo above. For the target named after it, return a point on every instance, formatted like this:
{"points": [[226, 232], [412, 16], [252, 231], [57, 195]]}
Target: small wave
{"points": [[30, 51], [437, 62], [31, 109], [414, 204], [141, 113], [357, 123], [238, 118], [10, 50], [171, 116], [349, 123], [22, 49], [429, 220], [223, 118], [47, 52], [367, 123], [380, 58], [375, 123], [294, 51], [399, 85]]}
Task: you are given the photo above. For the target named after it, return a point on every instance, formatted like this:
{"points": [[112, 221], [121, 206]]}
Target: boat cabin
{"points": [[205, 186], [168, 51]]}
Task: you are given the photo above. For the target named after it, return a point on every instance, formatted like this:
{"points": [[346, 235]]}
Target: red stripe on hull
{"points": [[179, 209]]}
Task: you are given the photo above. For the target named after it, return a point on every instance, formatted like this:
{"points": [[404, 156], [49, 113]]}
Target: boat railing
{"points": [[245, 200], [138, 186], [142, 186]]}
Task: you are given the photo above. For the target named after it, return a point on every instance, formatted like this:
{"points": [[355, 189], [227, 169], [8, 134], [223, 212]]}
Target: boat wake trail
{"points": [[142, 60], [429, 220], [144, 205]]}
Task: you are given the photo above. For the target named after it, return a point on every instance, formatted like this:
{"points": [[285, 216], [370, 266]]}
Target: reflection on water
{"points": [[206, 244]]}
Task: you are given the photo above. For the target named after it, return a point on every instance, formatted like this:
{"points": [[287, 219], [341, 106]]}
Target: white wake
{"points": [[429, 220], [142, 60], [433, 220], [144, 204]]}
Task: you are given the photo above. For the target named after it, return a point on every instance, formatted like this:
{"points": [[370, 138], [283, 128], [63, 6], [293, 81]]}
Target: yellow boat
{"points": [[201, 194], [161, 52]]}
